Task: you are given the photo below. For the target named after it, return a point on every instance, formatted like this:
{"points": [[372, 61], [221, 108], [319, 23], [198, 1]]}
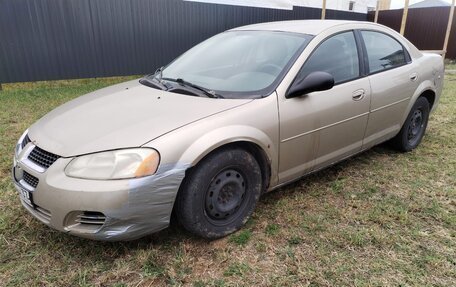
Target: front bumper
{"points": [[112, 210]]}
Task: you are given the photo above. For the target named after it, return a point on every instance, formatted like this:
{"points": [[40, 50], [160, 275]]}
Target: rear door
{"points": [[393, 79], [323, 127]]}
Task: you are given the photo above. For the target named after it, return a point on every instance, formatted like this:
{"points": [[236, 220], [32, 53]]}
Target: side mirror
{"points": [[314, 82]]}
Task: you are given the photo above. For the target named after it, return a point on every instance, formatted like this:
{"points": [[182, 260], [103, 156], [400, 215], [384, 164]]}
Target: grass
{"points": [[241, 238], [451, 65], [381, 218]]}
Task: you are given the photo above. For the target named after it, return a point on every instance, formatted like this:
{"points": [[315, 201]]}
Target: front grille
{"points": [[30, 179], [42, 158], [25, 141], [91, 218]]}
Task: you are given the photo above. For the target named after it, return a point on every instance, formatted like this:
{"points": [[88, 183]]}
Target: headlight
{"points": [[116, 164]]}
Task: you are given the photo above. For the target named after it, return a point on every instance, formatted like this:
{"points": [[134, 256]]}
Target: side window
{"points": [[337, 56], [383, 51]]}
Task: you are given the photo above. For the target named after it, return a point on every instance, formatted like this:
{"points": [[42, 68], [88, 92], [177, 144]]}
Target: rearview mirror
{"points": [[314, 82]]}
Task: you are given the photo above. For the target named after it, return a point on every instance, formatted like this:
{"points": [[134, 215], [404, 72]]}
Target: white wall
{"points": [[360, 5], [277, 4]]}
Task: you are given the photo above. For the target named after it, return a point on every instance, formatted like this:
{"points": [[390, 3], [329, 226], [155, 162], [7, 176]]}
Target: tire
{"points": [[414, 127], [218, 196]]}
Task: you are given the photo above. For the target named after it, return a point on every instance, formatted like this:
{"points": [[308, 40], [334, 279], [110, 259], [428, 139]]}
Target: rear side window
{"points": [[337, 56], [383, 51]]}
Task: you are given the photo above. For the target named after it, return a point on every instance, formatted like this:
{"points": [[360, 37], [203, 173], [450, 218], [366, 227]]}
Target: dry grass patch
{"points": [[381, 218]]}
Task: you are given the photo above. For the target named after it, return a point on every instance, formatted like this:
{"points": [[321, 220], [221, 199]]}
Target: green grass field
{"points": [[451, 65], [381, 218]]}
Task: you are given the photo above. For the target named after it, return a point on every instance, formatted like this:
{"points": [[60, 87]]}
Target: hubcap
{"points": [[225, 194], [416, 124]]}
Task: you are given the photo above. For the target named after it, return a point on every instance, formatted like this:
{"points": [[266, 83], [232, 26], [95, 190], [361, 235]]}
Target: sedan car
{"points": [[241, 114]]}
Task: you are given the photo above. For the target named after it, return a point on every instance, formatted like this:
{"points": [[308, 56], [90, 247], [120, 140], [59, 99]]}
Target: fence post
{"points": [[404, 17], [323, 10], [448, 30], [376, 12]]}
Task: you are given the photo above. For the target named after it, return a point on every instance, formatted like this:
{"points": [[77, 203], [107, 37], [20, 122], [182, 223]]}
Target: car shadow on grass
{"points": [[328, 174]]}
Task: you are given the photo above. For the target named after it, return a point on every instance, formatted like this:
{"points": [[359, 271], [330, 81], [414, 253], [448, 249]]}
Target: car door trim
{"points": [[324, 127], [362, 52], [389, 105]]}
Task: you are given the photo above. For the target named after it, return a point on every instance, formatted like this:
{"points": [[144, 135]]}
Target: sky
{"points": [[397, 4]]}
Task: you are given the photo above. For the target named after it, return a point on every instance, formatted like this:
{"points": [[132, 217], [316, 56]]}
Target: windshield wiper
{"points": [[153, 84], [207, 92], [159, 72], [154, 80]]}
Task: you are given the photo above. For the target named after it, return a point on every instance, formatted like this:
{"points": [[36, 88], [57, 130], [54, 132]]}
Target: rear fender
{"points": [[426, 85]]}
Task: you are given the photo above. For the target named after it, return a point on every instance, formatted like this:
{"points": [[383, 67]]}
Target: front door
{"points": [[323, 127]]}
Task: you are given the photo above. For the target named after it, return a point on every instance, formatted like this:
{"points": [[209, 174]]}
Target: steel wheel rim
{"points": [[415, 127], [225, 195]]}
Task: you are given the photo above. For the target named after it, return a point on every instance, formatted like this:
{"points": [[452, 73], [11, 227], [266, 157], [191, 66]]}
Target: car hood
{"points": [[120, 116]]}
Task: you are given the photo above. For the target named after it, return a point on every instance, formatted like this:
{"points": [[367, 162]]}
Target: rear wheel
{"points": [[219, 195], [413, 130]]}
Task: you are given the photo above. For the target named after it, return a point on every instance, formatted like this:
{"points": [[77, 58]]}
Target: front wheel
{"points": [[219, 194], [413, 130]]}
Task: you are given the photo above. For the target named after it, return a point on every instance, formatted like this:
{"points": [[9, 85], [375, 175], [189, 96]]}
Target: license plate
{"points": [[27, 196]]}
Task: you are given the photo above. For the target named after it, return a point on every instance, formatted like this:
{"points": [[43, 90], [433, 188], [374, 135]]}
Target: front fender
{"points": [[256, 122], [222, 136], [225, 135]]}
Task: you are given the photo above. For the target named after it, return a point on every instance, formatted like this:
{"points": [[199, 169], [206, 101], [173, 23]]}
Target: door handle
{"points": [[358, 95], [413, 77]]}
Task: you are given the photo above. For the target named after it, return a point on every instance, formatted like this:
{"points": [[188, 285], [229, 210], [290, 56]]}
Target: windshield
{"points": [[238, 63]]}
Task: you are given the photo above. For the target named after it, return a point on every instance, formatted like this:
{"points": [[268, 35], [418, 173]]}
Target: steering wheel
{"points": [[270, 68]]}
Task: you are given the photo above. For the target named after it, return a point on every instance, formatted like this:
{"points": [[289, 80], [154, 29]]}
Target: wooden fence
{"points": [[425, 27]]}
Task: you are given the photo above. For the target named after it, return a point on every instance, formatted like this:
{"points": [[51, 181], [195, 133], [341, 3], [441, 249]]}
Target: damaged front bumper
{"points": [[113, 210]]}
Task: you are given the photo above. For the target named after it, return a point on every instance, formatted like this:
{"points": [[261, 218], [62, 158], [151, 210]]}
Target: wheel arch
{"points": [[263, 158], [430, 97], [256, 151], [425, 89], [252, 140]]}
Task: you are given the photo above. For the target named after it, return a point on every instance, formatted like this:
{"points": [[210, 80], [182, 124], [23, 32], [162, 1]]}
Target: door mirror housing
{"points": [[314, 82]]}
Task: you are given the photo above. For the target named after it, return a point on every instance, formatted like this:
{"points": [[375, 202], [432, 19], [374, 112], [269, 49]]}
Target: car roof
{"points": [[310, 27], [316, 27]]}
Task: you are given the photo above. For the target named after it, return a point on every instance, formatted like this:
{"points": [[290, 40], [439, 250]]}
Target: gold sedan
{"points": [[238, 115]]}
